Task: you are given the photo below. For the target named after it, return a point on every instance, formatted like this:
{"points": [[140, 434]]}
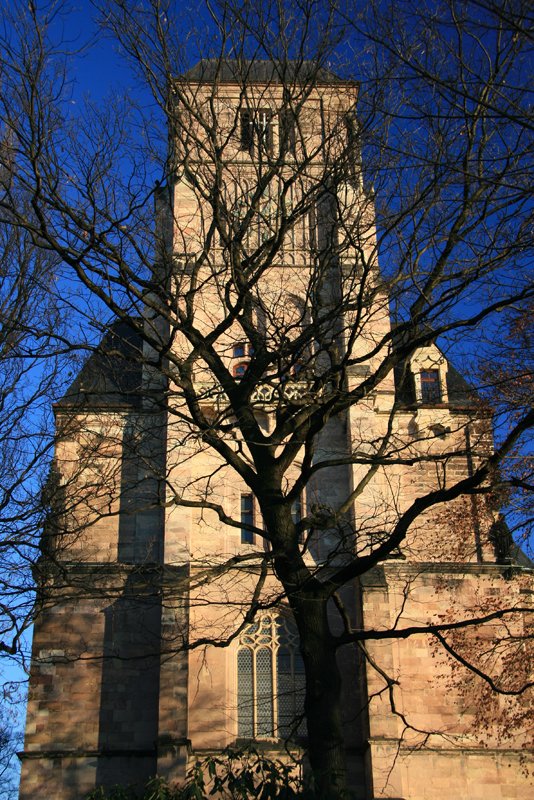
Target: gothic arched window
{"points": [[270, 680]]}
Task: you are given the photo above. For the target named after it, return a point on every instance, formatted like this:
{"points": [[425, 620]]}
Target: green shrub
{"points": [[233, 775]]}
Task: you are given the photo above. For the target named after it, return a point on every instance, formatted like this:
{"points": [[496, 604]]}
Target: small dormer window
{"points": [[256, 130], [428, 368], [430, 386]]}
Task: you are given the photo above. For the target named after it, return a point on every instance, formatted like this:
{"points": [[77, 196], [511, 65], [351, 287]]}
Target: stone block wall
{"points": [[438, 731]]}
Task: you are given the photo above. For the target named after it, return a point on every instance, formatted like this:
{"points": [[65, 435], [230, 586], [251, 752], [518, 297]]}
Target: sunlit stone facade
{"points": [[132, 576]]}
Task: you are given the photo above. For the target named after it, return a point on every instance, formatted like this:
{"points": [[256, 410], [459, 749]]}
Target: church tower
{"points": [[163, 634]]}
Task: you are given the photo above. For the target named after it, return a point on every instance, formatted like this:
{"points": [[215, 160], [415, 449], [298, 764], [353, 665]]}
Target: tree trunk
{"points": [[309, 603], [323, 697]]}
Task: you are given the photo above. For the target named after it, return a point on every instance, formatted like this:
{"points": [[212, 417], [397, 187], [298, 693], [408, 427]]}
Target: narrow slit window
{"points": [[247, 130], [247, 518]]}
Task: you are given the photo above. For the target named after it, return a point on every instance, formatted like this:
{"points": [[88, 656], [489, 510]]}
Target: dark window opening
{"points": [[256, 130], [242, 350], [430, 386], [351, 126], [247, 518], [240, 369], [311, 229], [288, 132], [247, 134]]}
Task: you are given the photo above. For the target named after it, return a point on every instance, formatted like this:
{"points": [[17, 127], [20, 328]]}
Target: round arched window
{"points": [[240, 369]]}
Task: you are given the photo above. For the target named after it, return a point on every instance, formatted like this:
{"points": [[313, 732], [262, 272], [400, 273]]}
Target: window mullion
{"points": [[274, 680], [254, 696]]}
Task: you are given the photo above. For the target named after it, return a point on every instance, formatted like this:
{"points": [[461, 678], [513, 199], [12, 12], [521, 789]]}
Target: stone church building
{"points": [[142, 578]]}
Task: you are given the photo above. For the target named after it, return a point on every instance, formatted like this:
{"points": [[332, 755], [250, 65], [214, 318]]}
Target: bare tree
{"points": [[260, 315], [11, 734], [29, 377], [29, 370], [506, 380]]}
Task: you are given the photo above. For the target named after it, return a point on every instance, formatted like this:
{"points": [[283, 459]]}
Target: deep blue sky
{"points": [[95, 65]]}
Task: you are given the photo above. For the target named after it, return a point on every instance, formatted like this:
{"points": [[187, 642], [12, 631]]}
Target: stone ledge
{"points": [[453, 567], [431, 749], [54, 754]]}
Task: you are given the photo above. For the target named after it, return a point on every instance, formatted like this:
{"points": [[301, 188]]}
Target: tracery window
{"points": [[270, 680]]}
